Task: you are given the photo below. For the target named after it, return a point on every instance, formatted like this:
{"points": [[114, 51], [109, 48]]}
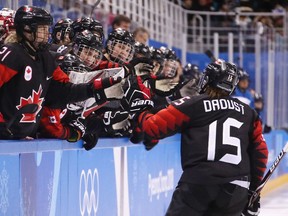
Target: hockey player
{"points": [[242, 91], [224, 154], [29, 75], [68, 122], [87, 23], [61, 36], [168, 81], [6, 23], [61, 32], [191, 75], [119, 47]]}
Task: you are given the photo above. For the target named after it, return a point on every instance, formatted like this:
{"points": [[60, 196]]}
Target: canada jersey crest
{"points": [[28, 73], [35, 98]]}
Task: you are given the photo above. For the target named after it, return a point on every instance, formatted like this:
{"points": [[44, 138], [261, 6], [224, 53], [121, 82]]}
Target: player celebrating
{"points": [[34, 78], [223, 150]]}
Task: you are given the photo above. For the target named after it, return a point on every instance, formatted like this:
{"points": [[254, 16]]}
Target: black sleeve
{"points": [[59, 94]]}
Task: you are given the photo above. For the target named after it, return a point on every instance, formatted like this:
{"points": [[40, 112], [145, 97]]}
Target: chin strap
{"points": [[29, 48]]}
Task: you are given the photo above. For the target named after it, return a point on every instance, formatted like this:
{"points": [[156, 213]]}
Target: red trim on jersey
{"points": [[143, 88], [50, 124], [60, 75], [97, 83], [259, 155], [1, 118], [165, 122], [6, 74], [104, 64]]}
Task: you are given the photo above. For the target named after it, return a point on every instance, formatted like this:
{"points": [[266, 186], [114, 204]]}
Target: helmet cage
{"points": [[170, 68], [120, 51], [70, 63], [90, 56]]}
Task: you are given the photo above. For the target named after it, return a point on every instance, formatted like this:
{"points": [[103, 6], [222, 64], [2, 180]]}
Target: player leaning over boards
{"points": [[29, 75], [223, 152]]}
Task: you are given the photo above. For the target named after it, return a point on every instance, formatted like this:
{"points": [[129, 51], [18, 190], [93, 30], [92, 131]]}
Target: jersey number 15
{"points": [[227, 140]]}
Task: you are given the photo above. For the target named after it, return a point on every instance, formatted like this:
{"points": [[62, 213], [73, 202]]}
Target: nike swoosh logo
{"points": [[48, 78]]}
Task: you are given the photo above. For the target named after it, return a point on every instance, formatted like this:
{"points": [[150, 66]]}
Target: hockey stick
{"points": [[210, 55], [29, 109], [94, 6], [257, 192]]}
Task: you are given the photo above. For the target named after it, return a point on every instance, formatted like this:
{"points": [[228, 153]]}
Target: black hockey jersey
{"points": [[221, 139], [24, 80]]}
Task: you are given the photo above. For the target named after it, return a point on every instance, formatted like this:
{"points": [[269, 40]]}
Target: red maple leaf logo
{"points": [[32, 99]]}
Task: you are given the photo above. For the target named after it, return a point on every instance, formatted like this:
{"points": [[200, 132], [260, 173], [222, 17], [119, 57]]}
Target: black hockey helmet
{"points": [[170, 62], [168, 53], [258, 97], [157, 55], [191, 71], [63, 26], [221, 75], [87, 23], [70, 63], [91, 44], [87, 38], [27, 19], [124, 39], [158, 58], [243, 75], [31, 16], [141, 50], [121, 35]]}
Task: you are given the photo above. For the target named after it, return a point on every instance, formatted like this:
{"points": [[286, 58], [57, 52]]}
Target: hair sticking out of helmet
{"points": [[120, 46], [221, 75]]}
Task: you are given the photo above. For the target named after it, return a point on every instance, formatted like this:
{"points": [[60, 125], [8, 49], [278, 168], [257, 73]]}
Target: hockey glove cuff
{"points": [[107, 89], [254, 208]]}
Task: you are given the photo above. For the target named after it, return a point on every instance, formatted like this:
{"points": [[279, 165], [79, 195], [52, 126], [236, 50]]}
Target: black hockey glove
{"points": [[149, 144], [107, 89], [137, 95], [254, 209], [4, 132], [136, 136], [89, 141], [142, 66], [117, 122], [77, 130]]}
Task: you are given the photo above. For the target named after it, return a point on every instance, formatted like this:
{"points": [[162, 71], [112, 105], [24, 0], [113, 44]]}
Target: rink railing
{"points": [[53, 177]]}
